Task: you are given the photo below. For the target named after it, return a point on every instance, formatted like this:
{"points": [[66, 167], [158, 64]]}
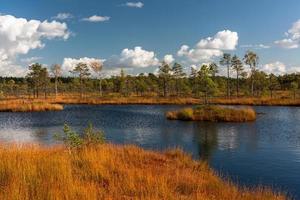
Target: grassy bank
{"points": [[151, 100], [213, 113], [112, 172], [173, 100], [257, 101], [28, 106]]}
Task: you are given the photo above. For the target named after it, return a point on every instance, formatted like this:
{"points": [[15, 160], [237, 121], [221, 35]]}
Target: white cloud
{"points": [[18, 36], [288, 43], [223, 40], [70, 63], [256, 46], [137, 58], [96, 18], [169, 58], [279, 68], [292, 39], [211, 47], [135, 4], [63, 16], [31, 59]]}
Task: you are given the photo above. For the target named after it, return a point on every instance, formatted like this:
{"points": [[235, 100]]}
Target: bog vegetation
{"points": [[28, 106], [243, 79], [85, 168], [214, 114]]}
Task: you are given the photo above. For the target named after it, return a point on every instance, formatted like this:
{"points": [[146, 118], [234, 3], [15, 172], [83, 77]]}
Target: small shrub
{"points": [[73, 139], [186, 114]]}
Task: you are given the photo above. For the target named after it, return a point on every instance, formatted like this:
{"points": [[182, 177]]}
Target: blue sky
{"points": [[158, 26]]}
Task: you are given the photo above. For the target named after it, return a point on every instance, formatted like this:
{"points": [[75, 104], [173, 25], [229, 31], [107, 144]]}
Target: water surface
{"points": [[265, 152]]}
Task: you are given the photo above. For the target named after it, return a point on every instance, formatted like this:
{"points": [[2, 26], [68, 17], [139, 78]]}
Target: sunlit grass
{"points": [[213, 113], [28, 106], [112, 172]]}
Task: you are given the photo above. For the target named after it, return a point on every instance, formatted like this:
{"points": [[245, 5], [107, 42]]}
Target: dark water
{"points": [[265, 152]]}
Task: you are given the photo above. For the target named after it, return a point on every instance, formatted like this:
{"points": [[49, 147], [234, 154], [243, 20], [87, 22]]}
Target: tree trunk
{"points": [[228, 90], [252, 85], [271, 93], [100, 87], [56, 90], [177, 87], [165, 87], [238, 84], [81, 88]]}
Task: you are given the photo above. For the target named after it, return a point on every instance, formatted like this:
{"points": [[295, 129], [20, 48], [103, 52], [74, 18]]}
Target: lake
{"points": [[265, 152]]}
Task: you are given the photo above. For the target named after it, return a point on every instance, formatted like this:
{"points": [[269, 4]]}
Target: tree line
{"points": [[171, 80]]}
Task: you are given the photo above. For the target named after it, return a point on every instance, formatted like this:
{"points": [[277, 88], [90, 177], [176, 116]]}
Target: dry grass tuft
{"points": [[112, 172], [27, 106], [213, 113]]}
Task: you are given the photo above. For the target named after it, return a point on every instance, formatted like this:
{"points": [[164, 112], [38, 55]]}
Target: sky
{"points": [[138, 35]]}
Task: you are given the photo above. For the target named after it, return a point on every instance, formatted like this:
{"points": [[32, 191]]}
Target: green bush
{"points": [[74, 140]]}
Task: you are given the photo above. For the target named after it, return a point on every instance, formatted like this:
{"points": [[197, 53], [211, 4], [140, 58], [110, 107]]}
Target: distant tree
{"points": [[207, 86], [261, 82], [82, 71], [140, 84], [97, 68], [178, 74], [45, 80], [294, 87], [251, 59], [226, 61], [123, 82], [273, 84], [38, 77], [237, 65], [165, 75], [213, 67], [11, 85], [56, 72]]}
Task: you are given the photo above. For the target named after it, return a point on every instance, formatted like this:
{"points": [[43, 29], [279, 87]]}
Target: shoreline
{"points": [[114, 172], [56, 104]]}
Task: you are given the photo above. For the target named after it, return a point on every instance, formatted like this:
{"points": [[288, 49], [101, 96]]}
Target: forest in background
{"points": [[243, 79]]}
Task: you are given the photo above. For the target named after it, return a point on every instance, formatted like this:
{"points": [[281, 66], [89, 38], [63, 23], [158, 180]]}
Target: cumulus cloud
{"points": [[63, 16], [288, 43], [279, 68], [223, 40], [134, 4], [18, 36], [31, 59], [137, 58], [208, 48], [169, 58], [70, 63], [292, 39], [255, 46], [96, 18]]}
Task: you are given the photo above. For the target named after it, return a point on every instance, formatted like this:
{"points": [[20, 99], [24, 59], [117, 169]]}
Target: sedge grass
{"points": [[113, 172], [213, 113]]}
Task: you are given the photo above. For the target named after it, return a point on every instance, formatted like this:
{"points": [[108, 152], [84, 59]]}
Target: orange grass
{"points": [[213, 113], [258, 101], [28, 106], [119, 100], [113, 172]]}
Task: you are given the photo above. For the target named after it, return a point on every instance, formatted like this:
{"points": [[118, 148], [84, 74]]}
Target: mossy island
{"points": [[213, 113]]}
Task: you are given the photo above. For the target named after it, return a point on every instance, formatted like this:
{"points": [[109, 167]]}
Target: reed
{"points": [[27, 106], [151, 100], [213, 113], [113, 172]]}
